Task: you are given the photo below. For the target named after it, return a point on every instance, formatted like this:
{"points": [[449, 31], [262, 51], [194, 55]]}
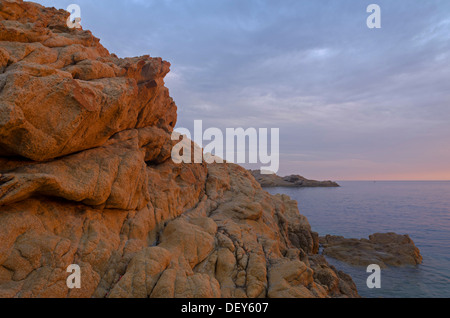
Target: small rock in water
{"points": [[383, 249]]}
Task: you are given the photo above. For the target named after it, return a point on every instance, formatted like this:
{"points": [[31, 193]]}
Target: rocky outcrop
{"points": [[61, 92], [383, 249], [293, 181], [86, 178]]}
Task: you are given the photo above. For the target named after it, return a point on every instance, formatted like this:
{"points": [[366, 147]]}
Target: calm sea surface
{"points": [[358, 209]]}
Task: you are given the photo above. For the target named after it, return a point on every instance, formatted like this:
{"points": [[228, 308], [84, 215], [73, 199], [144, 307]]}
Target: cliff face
{"points": [[86, 178]]}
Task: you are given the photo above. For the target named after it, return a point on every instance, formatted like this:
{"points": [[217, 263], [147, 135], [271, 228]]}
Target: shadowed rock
{"points": [[113, 174], [383, 249]]}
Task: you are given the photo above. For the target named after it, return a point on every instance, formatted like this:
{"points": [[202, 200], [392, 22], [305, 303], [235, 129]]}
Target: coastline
{"points": [[292, 181], [360, 208]]}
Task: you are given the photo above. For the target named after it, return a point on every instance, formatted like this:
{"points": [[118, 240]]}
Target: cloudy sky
{"points": [[351, 103]]}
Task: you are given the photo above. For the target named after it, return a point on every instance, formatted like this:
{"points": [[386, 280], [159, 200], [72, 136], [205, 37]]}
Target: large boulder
{"points": [[62, 92]]}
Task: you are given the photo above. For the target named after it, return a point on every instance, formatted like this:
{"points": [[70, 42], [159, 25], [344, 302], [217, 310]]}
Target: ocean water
{"points": [[359, 209]]}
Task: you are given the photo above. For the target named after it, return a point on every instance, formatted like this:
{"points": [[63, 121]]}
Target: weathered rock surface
{"points": [[62, 92], [293, 181], [113, 174], [383, 249], [86, 178]]}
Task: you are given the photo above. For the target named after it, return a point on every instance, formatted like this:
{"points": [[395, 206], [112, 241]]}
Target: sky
{"points": [[351, 103]]}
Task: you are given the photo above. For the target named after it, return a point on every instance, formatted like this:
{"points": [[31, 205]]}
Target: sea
{"points": [[358, 209]]}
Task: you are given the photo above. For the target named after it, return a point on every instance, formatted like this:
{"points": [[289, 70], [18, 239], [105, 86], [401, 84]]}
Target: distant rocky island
{"points": [[292, 181]]}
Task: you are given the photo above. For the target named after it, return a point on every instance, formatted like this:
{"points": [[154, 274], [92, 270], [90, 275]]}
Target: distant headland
{"points": [[292, 181]]}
